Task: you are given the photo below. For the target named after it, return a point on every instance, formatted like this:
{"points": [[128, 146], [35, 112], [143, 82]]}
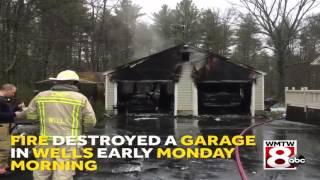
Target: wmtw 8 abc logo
{"points": [[281, 155]]}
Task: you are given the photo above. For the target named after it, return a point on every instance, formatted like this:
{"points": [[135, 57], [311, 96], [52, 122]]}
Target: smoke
{"points": [[147, 41]]}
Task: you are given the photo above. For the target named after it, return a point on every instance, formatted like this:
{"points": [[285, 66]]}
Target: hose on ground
{"points": [[237, 154]]}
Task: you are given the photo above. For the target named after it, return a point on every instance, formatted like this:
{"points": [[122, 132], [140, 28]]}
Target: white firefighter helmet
{"points": [[67, 75]]}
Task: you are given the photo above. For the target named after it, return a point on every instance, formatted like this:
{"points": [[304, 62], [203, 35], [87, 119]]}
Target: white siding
{"points": [[253, 99], [259, 93], [195, 99], [175, 111], [109, 95], [184, 91]]}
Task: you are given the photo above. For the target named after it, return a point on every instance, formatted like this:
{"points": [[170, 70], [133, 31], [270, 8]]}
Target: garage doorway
{"points": [[145, 97], [221, 98]]}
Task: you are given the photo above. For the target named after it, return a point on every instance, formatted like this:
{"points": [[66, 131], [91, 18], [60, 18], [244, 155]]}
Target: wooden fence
{"points": [[303, 98]]}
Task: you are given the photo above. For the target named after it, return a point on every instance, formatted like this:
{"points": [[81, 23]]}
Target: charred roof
{"points": [[216, 68], [166, 66]]}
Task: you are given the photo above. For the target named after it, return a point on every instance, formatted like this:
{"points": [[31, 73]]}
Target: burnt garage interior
{"points": [[224, 98], [145, 97], [184, 80], [224, 87], [147, 85]]}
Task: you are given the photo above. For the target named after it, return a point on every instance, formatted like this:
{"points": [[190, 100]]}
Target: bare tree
{"points": [[280, 21]]}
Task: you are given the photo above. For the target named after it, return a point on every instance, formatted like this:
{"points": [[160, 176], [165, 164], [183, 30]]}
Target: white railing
{"points": [[303, 97]]}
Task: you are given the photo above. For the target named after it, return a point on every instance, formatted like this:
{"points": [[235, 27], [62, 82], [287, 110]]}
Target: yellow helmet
{"points": [[66, 75]]}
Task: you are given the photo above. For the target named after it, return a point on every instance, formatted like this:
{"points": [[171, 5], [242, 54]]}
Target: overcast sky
{"points": [[151, 6]]}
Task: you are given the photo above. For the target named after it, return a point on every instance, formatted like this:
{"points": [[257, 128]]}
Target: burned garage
{"points": [[184, 80], [224, 87]]}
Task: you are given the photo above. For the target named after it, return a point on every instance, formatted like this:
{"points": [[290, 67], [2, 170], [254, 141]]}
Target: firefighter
{"points": [[62, 111]]}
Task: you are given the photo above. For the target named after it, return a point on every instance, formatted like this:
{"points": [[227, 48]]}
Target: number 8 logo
{"points": [[272, 161]]}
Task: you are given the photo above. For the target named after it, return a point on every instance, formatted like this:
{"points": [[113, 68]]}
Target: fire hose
{"points": [[237, 154]]}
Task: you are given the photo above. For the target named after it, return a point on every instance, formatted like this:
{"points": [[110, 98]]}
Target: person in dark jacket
{"points": [[7, 115]]}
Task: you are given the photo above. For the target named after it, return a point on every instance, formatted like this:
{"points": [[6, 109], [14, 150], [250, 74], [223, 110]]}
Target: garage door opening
{"points": [[145, 97], [224, 98]]}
